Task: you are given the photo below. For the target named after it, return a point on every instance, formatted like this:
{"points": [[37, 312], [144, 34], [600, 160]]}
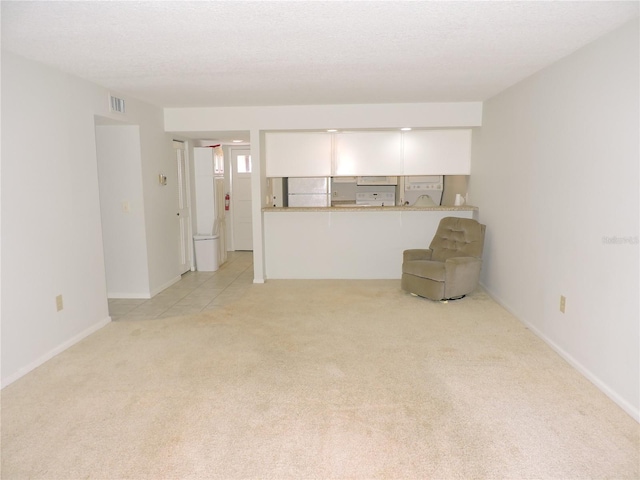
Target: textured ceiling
{"points": [[182, 53]]}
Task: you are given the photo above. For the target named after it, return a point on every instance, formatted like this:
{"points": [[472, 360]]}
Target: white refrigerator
{"points": [[210, 212], [309, 192]]}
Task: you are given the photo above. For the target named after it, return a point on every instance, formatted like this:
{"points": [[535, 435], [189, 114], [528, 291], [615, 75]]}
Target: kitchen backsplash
{"points": [[343, 190]]}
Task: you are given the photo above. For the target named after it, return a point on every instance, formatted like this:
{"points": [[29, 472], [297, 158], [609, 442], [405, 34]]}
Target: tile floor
{"points": [[194, 293]]}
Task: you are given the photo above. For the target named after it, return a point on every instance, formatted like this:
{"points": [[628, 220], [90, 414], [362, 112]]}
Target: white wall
{"points": [[204, 189], [123, 233], [227, 184], [555, 174], [162, 225], [315, 117], [51, 228]]}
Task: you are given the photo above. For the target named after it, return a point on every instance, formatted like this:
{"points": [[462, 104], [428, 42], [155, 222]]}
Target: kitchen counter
{"points": [[366, 208], [355, 241]]}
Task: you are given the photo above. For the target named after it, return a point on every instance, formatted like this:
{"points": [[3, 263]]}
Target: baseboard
{"points": [[630, 409], [52, 353], [145, 295], [258, 280], [157, 290], [128, 295]]}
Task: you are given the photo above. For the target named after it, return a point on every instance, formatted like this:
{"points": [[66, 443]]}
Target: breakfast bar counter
{"points": [[348, 242], [350, 207]]}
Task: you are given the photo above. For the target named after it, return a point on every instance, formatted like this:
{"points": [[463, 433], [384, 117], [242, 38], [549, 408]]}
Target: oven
{"points": [[376, 199]]}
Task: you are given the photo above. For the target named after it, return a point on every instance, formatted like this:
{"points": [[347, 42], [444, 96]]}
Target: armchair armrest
{"points": [[453, 262], [416, 254], [461, 275]]}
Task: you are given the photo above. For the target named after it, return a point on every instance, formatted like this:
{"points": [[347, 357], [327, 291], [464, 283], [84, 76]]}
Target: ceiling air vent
{"points": [[116, 104]]}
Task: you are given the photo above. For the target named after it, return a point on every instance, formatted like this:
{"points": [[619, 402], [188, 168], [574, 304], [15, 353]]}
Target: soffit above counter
{"points": [[323, 117]]}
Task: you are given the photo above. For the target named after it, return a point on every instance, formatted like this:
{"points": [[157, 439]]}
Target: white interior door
{"points": [[184, 210], [241, 199]]}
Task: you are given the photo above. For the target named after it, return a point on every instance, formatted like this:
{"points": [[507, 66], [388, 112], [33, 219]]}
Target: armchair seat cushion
{"points": [[425, 269]]}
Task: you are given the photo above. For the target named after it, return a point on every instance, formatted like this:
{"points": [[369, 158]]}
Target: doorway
{"points": [[122, 209], [242, 224]]}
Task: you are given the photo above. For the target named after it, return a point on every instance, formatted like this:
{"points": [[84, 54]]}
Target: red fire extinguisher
{"points": [[226, 201]]}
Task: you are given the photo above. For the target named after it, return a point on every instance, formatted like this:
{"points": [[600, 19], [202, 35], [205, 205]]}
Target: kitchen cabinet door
{"points": [[298, 154], [437, 152], [368, 153]]}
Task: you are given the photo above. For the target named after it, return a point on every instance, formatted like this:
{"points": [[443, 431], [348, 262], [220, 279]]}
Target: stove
{"points": [[376, 199]]}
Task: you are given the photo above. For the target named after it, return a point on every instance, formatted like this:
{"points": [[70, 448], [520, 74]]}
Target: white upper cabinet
{"points": [[298, 154], [368, 153], [437, 152]]}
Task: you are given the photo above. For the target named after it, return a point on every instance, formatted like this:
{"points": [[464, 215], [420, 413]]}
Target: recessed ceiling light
{"points": [[405, 129], [237, 141], [332, 130]]}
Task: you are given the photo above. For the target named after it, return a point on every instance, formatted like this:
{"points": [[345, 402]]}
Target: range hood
{"points": [[377, 180]]}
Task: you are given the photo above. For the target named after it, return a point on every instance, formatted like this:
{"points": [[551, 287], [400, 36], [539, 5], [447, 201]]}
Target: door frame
{"points": [[183, 145], [232, 169]]}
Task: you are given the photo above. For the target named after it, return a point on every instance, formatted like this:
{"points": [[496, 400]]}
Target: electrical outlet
{"points": [[59, 304], [563, 302]]}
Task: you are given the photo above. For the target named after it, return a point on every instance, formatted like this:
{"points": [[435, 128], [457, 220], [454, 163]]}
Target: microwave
{"points": [[377, 180]]}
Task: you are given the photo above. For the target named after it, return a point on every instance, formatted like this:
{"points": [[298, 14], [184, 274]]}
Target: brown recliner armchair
{"points": [[450, 267]]}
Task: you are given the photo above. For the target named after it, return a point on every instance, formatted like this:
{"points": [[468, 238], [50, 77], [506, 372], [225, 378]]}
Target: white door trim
{"points": [[185, 213], [233, 152]]}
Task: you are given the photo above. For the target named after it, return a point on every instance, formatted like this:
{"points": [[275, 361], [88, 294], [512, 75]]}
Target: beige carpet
{"points": [[316, 379]]}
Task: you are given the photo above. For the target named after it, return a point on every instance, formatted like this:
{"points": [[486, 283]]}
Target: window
{"points": [[244, 163]]}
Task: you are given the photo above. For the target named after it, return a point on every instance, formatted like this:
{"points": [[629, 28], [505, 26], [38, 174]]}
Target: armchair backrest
{"points": [[457, 237]]}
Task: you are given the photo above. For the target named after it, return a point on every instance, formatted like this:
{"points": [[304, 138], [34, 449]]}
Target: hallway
{"points": [[196, 292]]}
